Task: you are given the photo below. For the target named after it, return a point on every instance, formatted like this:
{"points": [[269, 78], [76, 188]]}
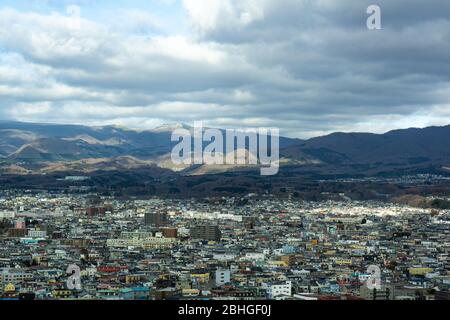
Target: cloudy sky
{"points": [[309, 67]]}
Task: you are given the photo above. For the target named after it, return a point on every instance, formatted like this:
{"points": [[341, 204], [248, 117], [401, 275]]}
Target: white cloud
{"points": [[306, 66], [206, 16]]}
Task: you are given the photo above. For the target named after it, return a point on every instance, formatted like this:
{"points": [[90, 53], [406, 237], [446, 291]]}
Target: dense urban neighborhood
{"points": [[86, 246]]}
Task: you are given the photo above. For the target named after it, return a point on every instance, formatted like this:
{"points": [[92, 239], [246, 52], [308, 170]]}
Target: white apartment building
{"points": [[14, 276], [223, 276], [33, 233], [279, 289], [147, 243], [7, 215]]}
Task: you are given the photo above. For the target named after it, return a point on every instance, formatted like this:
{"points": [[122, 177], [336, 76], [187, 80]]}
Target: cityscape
{"points": [[228, 248]]}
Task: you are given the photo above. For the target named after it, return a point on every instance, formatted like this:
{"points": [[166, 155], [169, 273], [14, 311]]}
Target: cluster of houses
{"points": [[252, 247]]}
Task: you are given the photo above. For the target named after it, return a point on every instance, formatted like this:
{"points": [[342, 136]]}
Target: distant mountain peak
{"points": [[28, 144], [168, 127]]}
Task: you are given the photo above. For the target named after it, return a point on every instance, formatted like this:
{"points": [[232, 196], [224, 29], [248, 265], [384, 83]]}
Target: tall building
{"points": [[156, 219], [169, 232], [20, 224], [206, 232], [384, 293], [94, 211], [223, 276]]}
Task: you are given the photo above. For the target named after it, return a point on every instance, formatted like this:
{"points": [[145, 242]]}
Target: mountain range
{"points": [[42, 148]]}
